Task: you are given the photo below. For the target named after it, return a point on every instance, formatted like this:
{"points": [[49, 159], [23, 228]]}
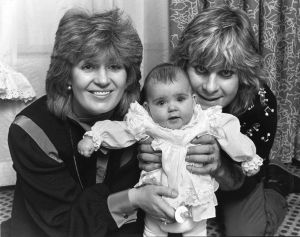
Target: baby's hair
{"points": [[163, 73]]}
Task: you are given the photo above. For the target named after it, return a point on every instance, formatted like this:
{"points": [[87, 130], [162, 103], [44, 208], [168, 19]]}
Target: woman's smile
{"points": [[101, 93], [97, 87]]}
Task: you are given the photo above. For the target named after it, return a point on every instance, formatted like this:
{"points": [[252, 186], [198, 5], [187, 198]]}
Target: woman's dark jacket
{"points": [[56, 193]]}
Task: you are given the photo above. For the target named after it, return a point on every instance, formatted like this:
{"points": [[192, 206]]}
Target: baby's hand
{"points": [[86, 147]]}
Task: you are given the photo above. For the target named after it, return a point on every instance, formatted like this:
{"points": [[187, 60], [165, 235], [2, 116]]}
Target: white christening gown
{"points": [[195, 191]]}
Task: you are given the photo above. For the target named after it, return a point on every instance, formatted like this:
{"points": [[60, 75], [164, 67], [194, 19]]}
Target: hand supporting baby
{"points": [[204, 158]]}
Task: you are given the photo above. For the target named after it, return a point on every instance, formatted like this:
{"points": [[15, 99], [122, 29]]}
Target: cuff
{"points": [[252, 167], [121, 209], [96, 139]]}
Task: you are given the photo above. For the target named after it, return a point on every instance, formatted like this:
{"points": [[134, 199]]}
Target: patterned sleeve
{"points": [[259, 123], [237, 145]]}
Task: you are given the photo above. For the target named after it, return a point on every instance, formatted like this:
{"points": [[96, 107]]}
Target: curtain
{"points": [[277, 27]]}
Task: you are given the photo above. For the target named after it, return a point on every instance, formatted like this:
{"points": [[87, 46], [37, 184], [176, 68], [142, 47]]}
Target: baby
{"points": [[172, 118]]}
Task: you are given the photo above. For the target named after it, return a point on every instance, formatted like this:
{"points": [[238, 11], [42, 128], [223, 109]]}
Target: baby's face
{"points": [[170, 104]]}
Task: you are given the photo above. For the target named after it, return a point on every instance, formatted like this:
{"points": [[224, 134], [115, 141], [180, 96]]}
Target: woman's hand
{"points": [[204, 157], [149, 198], [148, 158]]}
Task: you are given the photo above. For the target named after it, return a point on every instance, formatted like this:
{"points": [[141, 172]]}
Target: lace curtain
{"points": [[277, 27]]}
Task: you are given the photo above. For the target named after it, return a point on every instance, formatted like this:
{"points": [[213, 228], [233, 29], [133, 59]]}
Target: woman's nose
{"points": [[211, 84], [102, 77]]}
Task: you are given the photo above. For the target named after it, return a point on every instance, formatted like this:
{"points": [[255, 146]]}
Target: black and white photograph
{"points": [[145, 118]]}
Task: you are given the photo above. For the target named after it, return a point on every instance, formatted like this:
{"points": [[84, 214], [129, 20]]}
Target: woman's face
{"points": [[98, 85], [216, 87]]}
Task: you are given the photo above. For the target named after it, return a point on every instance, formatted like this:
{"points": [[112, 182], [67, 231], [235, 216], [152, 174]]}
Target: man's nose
{"points": [[211, 85]]}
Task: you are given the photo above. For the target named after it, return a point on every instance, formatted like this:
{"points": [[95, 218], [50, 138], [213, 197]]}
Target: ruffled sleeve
{"points": [[138, 121], [238, 146], [120, 134], [110, 134]]}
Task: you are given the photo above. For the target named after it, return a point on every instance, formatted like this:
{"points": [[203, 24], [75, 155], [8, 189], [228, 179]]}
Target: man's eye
{"points": [[200, 69], [226, 73], [115, 67]]}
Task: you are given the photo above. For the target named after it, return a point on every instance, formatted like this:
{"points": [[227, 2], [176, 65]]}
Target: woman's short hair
{"points": [[223, 36], [81, 35], [164, 73]]}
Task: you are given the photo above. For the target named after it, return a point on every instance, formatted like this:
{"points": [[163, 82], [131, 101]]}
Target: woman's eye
{"points": [[87, 67], [201, 70], [226, 73]]}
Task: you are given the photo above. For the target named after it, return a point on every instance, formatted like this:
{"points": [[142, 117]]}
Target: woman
{"points": [[94, 74], [218, 51]]}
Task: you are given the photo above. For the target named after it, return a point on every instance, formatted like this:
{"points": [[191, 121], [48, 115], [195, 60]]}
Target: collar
{"points": [[87, 122]]}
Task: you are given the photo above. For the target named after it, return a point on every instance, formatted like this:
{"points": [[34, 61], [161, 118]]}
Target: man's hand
{"points": [[148, 158], [204, 157]]}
